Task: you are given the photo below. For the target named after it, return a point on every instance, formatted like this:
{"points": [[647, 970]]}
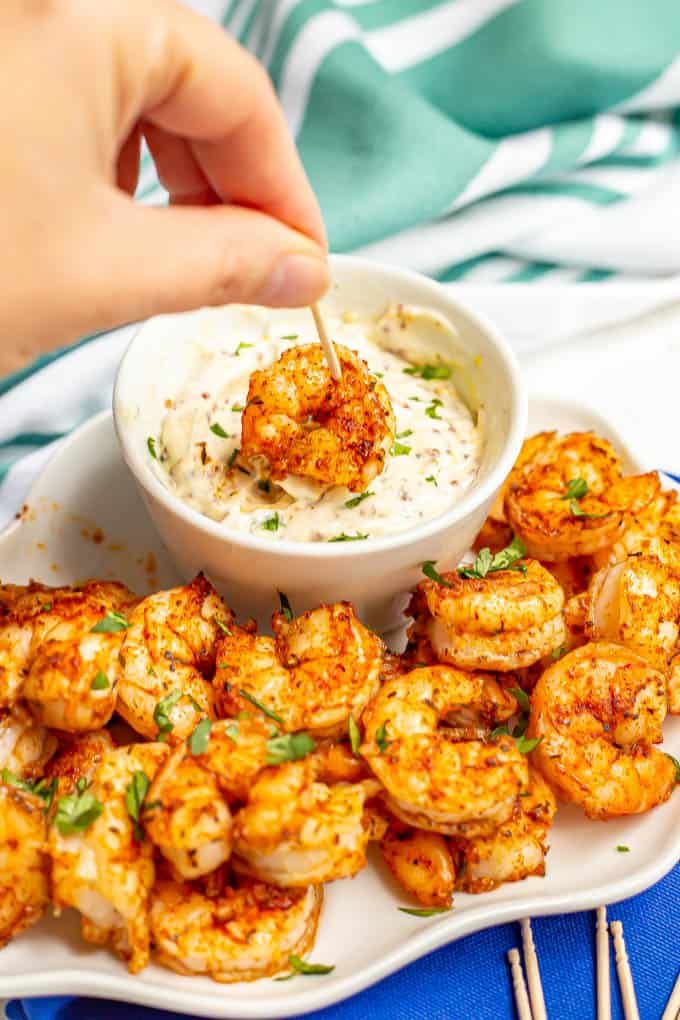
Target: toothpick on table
{"points": [[533, 973], [630, 1006], [518, 985], [328, 348], [673, 1005], [604, 998]]}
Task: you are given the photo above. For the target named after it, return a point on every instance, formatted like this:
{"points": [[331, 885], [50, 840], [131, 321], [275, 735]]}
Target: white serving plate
{"points": [[86, 486]]}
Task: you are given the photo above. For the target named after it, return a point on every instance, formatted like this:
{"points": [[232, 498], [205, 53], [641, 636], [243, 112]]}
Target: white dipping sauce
{"points": [[435, 457]]}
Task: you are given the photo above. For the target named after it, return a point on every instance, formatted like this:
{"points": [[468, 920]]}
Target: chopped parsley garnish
{"points": [[526, 744], [12, 779], [301, 967], [77, 812], [506, 559], [271, 523], [286, 609], [112, 623], [46, 607], [354, 734], [242, 347], [431, 410], [623, 849], [404, 434], [46, 789], [431, 571], [558, 652], [432, 480], [381, 738], [576, 488], [263, 708], [237, 407], [430, 371], [521, 697], [342, 537], [677, 766], [290, 336], [232, 456], [379, 375], [356, 500], [576, 511], [43, 788], [424, 911], [136, 791], [151, 446], [160, 714], [198, 741], [100, 682], [289, 747], [217, 430], [399, 449], [232, 731], [82, 784], [223, 627]]}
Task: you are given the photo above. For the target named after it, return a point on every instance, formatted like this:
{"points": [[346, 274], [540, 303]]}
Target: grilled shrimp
{"points": [[49, 655], [635, 603], [297, 831], [77, 759], [188, 816], [19, 608], [504, 621], [241, 934], [421, 862], [515, 850], [597, 713], [101, 864], [573, 575], [25, 745], [168, 649], [23, 861], [317, 669], [74, 669], [299, 421], [432, 780], [569, 497], [653, 531]]}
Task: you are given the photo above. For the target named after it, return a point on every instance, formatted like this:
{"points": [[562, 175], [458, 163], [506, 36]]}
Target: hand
{"points": [[80, 83]]}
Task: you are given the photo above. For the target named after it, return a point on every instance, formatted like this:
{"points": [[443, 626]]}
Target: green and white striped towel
{"points": [[481, 140]]}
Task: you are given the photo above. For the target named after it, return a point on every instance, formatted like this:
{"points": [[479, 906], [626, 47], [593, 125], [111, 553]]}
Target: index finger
{"points": [[208, 89]]}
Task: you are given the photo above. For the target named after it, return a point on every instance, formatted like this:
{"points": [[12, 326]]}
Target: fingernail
{"points": [[296, 280]]}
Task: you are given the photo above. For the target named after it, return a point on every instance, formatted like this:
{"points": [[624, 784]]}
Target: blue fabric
{"points": [[468, 980]]}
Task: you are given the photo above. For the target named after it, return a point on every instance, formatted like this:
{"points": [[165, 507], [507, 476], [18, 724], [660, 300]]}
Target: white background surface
{"points": [[615, 349]]}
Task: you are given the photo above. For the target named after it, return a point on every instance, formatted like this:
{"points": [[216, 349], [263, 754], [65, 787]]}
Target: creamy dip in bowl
{"points": [[460, 415], [434, 458]]}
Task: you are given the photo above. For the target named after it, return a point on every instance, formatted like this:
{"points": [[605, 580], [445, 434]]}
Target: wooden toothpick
{"points": [[518, 986], [604, 998], [533, 973], [328, 348], [673, 1005], [630, 1006]]}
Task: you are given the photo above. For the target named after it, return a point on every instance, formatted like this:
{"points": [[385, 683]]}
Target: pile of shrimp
{"points": [[189, 785]]}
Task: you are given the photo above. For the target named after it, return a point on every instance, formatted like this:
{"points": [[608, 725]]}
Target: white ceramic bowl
{"points": [[374, 574]]}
